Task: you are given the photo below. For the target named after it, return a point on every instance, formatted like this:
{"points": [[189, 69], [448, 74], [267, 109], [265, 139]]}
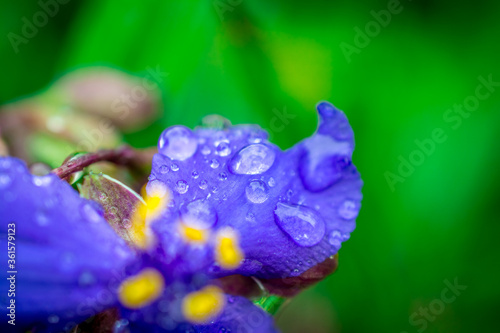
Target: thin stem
{"points": [[125, 155]]}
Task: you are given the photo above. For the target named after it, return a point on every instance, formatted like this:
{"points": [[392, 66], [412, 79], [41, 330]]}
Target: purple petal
{"points": [[67, 258], [292, 209]]}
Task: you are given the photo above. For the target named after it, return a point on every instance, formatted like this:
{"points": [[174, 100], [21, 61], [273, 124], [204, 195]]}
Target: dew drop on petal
{"points": [[89, 213], [5, 181], [348, 210], [222, 176], [195, 175], [335, 239], [86, 279], [301, 223], [41, 218], [42, 180], [178, 143], [181, 186], [214, 164], [205, 150], [203, 184], [271, 182], [164, 169], [174, 167], [223, 149], [250, 217], [252, 160], [257, 191], [199, 214]]}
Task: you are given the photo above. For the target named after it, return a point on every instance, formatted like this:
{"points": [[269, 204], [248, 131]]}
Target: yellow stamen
{"points": [[201, 306], [152, 207], [193, 235], [142, 289], [227, 250]]}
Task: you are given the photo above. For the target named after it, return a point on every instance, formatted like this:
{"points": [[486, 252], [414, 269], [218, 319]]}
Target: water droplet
{"points": [[250, 217], [181, 186], [335, 239], [205, 150], [195, 175], [5, 181], [301, 223], [178, 143], [86, 279], [348, 210], [164, 169], [127, 223], [174, 167], [203, 184], [214, 163], [103, 197], [271, 182], [42, 180], [90, 214], [199, 214], [223, 149], [5, 163], [120, 326], [222, 176], [257, 136], [257, 191], [252, 160], [41, 218], [215, 189], [218, 137]]}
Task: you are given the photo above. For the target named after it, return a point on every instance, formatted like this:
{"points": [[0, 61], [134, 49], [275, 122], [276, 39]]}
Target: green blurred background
{"points": [[244, 59]]}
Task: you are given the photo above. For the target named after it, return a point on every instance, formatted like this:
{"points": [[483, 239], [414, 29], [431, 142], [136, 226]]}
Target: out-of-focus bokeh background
{"points": [[419, 81]]}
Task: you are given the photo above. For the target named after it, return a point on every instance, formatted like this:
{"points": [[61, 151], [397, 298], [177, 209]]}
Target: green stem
{"points": [[270, 303]]}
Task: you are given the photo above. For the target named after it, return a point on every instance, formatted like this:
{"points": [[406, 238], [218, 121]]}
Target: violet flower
{"points": [[70, 264]]}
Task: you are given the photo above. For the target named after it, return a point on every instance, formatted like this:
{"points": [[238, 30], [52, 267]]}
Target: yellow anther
{"points": [[199, 307], [227, 249], [147, 211], [193, 235], [142, 289], [157, 200]]}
